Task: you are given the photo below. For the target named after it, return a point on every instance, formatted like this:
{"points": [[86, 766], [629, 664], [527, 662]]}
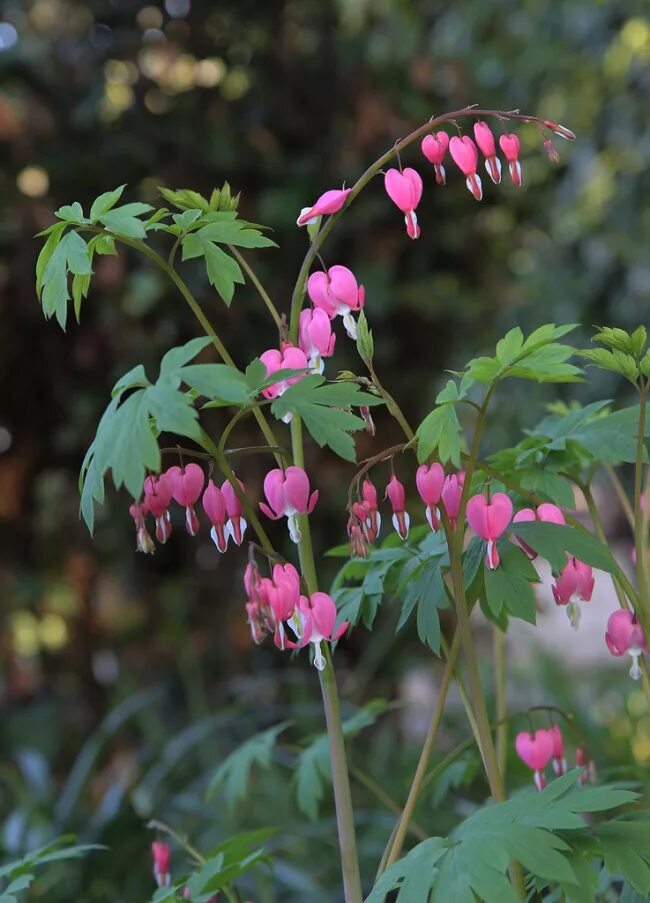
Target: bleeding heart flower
{"points": [[187, 485], [625, 634], [510, 147], [143, 541], [465, 155], [405, 191], [535, 750], [290, 358], [288, 495], [316, 337], [434, 148], [161, 863], [560, 130], [314, 622], [338, 294], [575, 584], [236, 525], [157, 496], [430, 481], [214, 505], [452, 492], [485, 140], [396, 495], [330, 202], [489, 520]]}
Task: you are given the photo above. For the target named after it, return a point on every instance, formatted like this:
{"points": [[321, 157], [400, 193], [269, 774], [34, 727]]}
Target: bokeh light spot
{"points": [[53, 631], [177, 8], [235, 84], [210, 73], [149, 17], [8, 36], [33, 181]]}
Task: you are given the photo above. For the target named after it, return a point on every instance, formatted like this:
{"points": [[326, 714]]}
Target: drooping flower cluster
{"points": [[184, 484], [435, 489], [276, 606], [537, 749]]}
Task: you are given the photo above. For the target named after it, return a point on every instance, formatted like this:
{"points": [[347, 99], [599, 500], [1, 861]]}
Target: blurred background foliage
{"points": [[115, 665]]}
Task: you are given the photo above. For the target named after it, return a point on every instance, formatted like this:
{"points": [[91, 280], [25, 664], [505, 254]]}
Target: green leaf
{"points": [[554, 542], [125, 220], [544, 482], [223, 272], [176, 358], [472, 863], [321, 406], [47, 251], [185, 198], [626, 850], [313, 771], [616, 361], [234, 772], [235, 232], [173, 411], [72, 213], [217, 381], [440, 432], [105, 202], [71, 254], [509, 585], [365, 342], [540, 357]]}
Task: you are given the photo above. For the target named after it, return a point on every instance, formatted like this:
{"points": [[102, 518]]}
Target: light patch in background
{"points": [[177, 9], [33, 181], [8, 36]]}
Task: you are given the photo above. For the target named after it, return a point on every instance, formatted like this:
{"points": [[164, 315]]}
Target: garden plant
{"points": [[469, 545]]}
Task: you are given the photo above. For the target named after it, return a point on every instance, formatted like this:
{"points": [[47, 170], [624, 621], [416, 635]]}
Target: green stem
{"points": [[391, 404], [340, 776], [425, 755], [456, 543], [362, 181], [341, 783], [264, 295], [500, 695], [370, 784], [640, 543], [207, 327], [622, 495]]}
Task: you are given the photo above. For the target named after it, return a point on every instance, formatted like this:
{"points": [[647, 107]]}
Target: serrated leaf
{"points": [[615, 361], [217, 381], [234, 772], [105, 202], [223, 272], [176, 358], [126, 220], [235, 232], [508, 587], [472, 863], [440, 432], [185, 198], [321, 406], [555, 541], [72, 213]]}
